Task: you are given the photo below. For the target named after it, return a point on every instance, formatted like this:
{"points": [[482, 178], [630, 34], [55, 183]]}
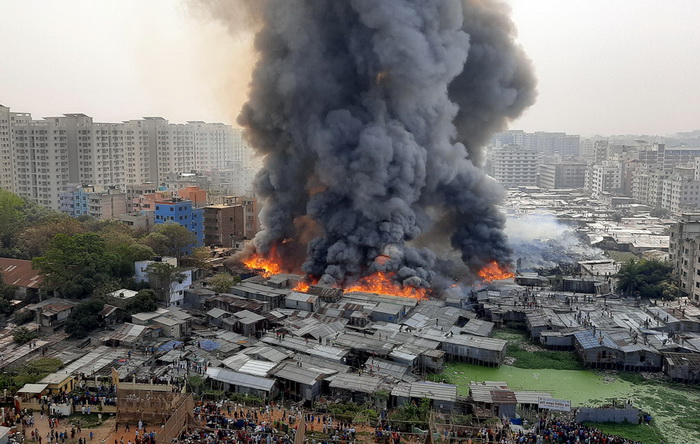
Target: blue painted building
{"points": [[181, 212]]}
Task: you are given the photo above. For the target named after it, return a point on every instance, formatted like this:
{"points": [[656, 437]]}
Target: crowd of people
{"points": [[554, 431]]}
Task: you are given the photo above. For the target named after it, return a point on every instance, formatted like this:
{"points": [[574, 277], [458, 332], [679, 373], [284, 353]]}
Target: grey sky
{"points": [[604, 67]]}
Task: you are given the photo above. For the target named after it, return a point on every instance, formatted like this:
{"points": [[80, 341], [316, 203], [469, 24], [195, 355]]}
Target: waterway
{"points": [[675, 408]]}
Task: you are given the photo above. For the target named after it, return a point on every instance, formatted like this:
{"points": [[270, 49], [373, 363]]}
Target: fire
{"points": [[383, 283], [493, 272], [268, 266], [302, 286], [305, 284]]}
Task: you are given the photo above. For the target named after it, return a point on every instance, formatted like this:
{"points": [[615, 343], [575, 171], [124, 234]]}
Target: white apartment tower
{"points": [[38, 158], [41, 158], [605, 177], [6, 162], [514, 166]]}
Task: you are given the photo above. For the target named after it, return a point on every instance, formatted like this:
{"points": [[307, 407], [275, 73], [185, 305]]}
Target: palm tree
{"points": [[630, 277]]}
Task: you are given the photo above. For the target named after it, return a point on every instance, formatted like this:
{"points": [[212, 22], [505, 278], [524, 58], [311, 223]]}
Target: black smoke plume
{"points": [[371, 115]]}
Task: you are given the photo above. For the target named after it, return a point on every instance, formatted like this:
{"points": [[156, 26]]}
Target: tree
{"points": [[34, 240], [23, 335], [11, 217], [84, 318], [121, 241], [645, 278], [15, 214], [144, 301], [7, 294], [222, 282], [163, 278], [171, 239], [74, 265], [198, 259]]}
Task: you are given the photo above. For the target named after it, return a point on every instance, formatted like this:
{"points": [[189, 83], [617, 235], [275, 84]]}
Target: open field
{"points": [[674, 407]]}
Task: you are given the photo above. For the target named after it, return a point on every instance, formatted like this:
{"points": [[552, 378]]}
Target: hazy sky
{"points": [[604, 67]]}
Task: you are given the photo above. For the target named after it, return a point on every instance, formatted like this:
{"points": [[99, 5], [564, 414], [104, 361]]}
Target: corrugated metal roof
{"points": [[402, 390], [217, 312], [356, 383], [19, 272], [235, 362], [303, 375], [257, 368], [302, 297], [240, 379], [527, 397], [389, 368], [268, 353], [590, 341], [433, 390]]}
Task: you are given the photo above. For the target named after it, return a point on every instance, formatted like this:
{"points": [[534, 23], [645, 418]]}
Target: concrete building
{"points": [[222, 225], [135, 192], [227, 225], [6, 162], [197, 195], [84, 200], [684, 251], [648, 185], [181, 212], [605, 178], [39, 157], [561, 144], [514, 166], [681, 191], [177, 289], [142, 219], [563, 175]]}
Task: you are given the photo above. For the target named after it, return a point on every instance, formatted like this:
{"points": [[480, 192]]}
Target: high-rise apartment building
{"points": [[681, 191], [40, 153], [38, 158], [6, 163], [684, 254], [563, 175], [605, 177], [514, 166], [560, 144]]}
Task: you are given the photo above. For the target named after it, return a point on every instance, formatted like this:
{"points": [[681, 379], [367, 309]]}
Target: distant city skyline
{"points": [[604, 68]]}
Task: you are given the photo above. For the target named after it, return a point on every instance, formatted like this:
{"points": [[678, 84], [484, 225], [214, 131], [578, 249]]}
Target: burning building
{"points": [[370, 117]]}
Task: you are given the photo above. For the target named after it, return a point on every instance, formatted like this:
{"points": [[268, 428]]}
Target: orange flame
{"points": [[493, 272], [383, 283], [305, 284], [267, 265]]}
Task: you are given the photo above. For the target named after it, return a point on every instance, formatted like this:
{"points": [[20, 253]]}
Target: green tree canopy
{"points": [[23, 335], [74, 265], [171, 239], [16, 214], [145, 301], [7, 294], [84, 318], [222, 282], [646, 278], [11, 217], [35, 239]]}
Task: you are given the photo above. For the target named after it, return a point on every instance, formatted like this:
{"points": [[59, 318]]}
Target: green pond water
{"points": [[675, 408]]}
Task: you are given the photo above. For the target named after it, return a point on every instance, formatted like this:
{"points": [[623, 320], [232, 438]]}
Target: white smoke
{"points": [[540, 240]]}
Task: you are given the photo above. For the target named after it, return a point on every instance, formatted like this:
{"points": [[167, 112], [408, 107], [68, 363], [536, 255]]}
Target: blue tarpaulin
{"points": [[209, 345], [169, 346]]}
